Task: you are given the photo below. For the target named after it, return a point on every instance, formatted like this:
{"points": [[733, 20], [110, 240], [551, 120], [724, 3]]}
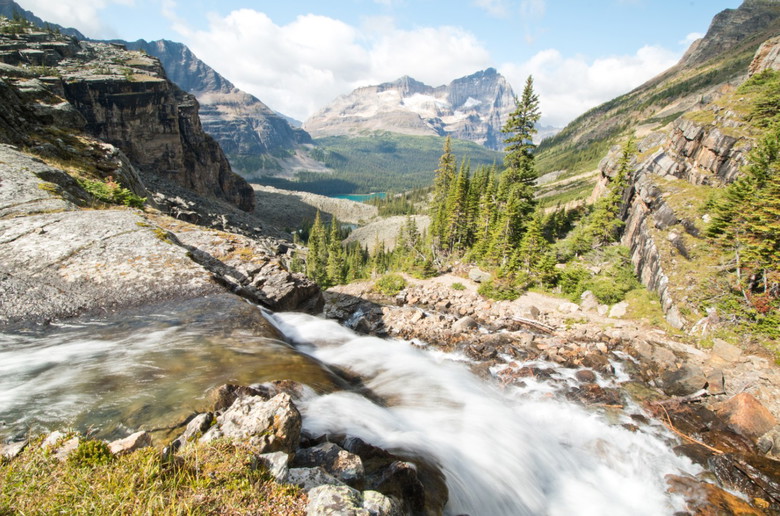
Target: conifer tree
{"points": [[336, 260], [604, 223], [445, 176], [458, 223], [316, 259]]}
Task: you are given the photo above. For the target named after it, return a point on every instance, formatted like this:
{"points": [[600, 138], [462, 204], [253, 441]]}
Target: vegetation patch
{"points": [[206, 478], [111, 192], [390, 284]]}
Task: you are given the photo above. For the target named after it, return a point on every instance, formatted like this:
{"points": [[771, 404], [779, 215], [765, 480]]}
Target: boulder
{"points": [[264, 425], [331, 500], [309, 478], [276, 464], [465, 324], [478, 276], [130, 443], [568, 308], [589, 302], [686, 380], [724, 352], [197, 426], [769, 443], [585, 376], [746, 415], [618, 310], [344, 465], [378, 504]]}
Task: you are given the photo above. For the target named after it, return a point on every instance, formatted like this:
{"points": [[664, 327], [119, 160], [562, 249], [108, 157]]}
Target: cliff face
{"points": [[241, 123], [679, 169], [125, 99], [472, 108]]}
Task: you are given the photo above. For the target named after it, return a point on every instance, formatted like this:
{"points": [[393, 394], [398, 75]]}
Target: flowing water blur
{"points": [[504, 452]]}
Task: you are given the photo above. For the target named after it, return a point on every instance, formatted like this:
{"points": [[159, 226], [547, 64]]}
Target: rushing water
{"points": [[504, 452]]}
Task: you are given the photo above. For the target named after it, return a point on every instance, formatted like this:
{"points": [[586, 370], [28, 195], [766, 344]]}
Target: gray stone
{"points": [[198, 426], [309, 478], [130, 443], [344, 465], [465, 324], [378, 504], [276, 464], [265, 426], [726, 352], [12, 450], [588, 301], [331, 500], [478, 276], [618, 310], [769, 443], [684, 381], [568, 308]]}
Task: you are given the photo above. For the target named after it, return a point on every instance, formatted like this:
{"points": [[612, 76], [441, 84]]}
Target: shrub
{"points": [[572, 279], [502, 289], [458, 286], [390, 284], [112, 192], [91, 453]]}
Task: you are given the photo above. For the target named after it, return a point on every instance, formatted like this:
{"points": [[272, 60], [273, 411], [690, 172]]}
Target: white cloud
{"points": [[690, 38], [300, 67], [532, 8], [497, 8], [84, 14], [569, 86]]}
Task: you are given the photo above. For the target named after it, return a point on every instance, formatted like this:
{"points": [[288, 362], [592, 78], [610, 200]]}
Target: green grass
{"points": [[214, 478]]}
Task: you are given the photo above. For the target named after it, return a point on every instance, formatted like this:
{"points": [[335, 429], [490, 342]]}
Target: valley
{"points": [[585, 323]]}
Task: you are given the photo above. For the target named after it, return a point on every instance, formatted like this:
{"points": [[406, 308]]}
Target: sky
{"points": [[298, 55]]}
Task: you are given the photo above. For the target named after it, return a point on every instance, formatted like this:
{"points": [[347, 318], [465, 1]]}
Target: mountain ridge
{"points": [[473, 108]]}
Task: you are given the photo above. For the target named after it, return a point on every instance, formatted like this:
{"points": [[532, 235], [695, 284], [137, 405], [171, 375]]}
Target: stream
{"points": [[504, 451]]}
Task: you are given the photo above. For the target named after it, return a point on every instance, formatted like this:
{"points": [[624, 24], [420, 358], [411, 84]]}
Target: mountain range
{"points": [[472, 108]]}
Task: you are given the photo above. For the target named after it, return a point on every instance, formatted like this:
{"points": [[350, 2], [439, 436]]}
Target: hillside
{"points": [[717, 60], [377, 162]]}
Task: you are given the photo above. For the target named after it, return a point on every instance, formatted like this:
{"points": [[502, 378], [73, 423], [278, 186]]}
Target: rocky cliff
{"points": [[678, 170], [245, 128], [472, 108], [91, 133]]}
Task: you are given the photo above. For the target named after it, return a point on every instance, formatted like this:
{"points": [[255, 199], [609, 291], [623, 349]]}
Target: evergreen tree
{"points": [[458, 223], [335, 268], [604, 223], [445, 176], [316, 259]]}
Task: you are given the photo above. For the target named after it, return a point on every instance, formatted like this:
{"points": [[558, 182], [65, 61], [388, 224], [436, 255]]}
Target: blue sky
{"points": [[298, 55]]}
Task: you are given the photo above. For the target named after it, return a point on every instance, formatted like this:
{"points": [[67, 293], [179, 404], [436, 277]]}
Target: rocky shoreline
{"points": [[723, 403]]}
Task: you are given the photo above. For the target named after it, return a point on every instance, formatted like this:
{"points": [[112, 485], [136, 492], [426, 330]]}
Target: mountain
{"points": [[710, 67], [9, 8], [472, 108], [249, 132]]}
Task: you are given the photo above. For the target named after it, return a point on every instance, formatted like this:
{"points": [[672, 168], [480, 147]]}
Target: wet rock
{"points": [[400, 480], [265, 426], [465, 324], [593, 394], [746, 415], [585, 376], [335, 501], [599, 362], [769, 443], [309, 478], [276, 464], [683, 381], [225, 395], [702, 498], [340, 463], [130, 443], [753, 475]]}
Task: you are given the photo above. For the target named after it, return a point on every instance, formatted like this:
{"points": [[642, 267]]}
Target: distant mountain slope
{"points": [[9, 7], [720, 58], [246, 128], [472, 108]]}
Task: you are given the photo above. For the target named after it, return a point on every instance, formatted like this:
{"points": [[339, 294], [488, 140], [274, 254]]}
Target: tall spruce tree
{"points": [[317, 257], [445, 176], [336, 261], [604, 223]]}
